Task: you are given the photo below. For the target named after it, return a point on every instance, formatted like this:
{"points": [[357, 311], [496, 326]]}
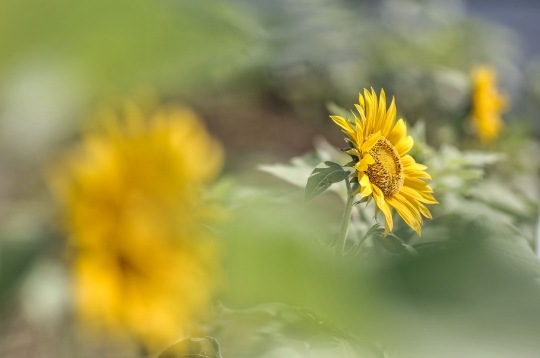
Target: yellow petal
{"points": [[414, 170], [362, 165], [343, 123], [417, 184], [363, 179], [368, 108], [361, 100], [398, 132], [386, 228], [407, 160], [368, 159], [419, 206], [361, 112], [381, 203], [424, 211], [409, 163], [375, 108], [365, 191], [419, 195], [359, 130], [406, 212], [404, 145], [370, 142], [389, 119], [380, 116], [365, 185], [353, 151], [416, 173]]}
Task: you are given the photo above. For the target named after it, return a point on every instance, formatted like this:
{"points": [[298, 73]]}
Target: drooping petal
{"points": [[419, 206], [411, 206], [406, 212], [419, 195], [424, 211], [381, 204]]}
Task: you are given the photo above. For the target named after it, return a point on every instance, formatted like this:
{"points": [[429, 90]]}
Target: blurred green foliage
{"points": [[469, 289], [119, 44], [416, 305]]}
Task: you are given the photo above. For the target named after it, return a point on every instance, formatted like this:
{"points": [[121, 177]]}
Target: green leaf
{"points": [[395, 245], [206, 347], [324, 175]]}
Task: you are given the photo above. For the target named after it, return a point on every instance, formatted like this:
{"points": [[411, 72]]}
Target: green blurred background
{"points": [[264, 76]]}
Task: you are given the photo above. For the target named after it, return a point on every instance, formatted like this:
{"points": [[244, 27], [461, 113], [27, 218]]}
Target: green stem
{"points": [[356, 249], [345, 219]]}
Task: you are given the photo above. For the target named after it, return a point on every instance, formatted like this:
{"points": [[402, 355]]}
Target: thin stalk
{"points": [[356, 249], [345, 220]]}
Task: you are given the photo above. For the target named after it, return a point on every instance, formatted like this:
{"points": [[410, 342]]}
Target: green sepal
{"points": [[363, 200]]}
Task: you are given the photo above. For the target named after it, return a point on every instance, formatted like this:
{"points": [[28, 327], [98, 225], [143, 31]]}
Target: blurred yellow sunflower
{"points": [[133, 209], [488, 104], [385, 171]]}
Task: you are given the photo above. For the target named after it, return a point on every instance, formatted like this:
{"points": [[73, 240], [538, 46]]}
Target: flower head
{"points": [[386, 173], [132, 198], [488, 104]]}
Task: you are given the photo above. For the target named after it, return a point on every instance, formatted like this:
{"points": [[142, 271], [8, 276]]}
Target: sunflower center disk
{"points": [[387, 171]]}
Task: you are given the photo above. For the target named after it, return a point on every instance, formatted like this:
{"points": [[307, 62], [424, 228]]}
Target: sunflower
{"points": [[386, 173], [133, 208], [488, 104]]}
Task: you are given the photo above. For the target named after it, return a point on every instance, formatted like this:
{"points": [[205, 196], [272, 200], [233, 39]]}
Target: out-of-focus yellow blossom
{"points": [[132, 201], [385, 171], [488, 104]]}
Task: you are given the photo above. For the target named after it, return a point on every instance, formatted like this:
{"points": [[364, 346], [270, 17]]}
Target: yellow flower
{"points": [[385, 171], [132, 195], [488, 104]]}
